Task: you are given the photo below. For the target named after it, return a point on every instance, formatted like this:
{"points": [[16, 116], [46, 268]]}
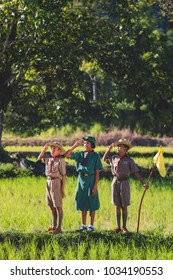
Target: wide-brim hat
{"points": [[124, 142], [91, 139], [63, 151]]}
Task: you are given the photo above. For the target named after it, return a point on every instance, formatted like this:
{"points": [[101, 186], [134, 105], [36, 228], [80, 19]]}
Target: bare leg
{"points": [[83, 220], [118, 216], [60, 217], [54, 217], [84, 216], [92, 216], [124, 216]]}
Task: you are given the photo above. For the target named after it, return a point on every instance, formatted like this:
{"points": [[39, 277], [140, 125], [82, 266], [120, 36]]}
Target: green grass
{"points": [[66, 130], [25, 218], [140, 150], [94, 246], [143, 156], [27, 210], [23, 206]]}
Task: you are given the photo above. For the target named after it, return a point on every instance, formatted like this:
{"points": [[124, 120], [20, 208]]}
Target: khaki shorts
{"points": [[120, 193], [53, 193]]}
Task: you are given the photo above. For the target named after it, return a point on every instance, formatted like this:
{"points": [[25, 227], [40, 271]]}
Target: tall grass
{"points": [[139, 150], [23, 206], [66, 130], [143, 156], [95, 246], [25, 218]]}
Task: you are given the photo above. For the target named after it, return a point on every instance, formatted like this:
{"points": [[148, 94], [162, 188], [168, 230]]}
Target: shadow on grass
{"points": [[97, 245], [68, 238]]}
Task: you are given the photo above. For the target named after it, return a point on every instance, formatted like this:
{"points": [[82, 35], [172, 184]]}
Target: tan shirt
{"points": [[55, 167], [123, 168]]}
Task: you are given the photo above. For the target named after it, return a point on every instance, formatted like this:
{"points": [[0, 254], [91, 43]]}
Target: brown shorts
{"points": [[120, 193], [54, 193]]}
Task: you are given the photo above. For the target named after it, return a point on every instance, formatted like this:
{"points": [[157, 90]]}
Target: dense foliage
{"points": [[75, 62]]}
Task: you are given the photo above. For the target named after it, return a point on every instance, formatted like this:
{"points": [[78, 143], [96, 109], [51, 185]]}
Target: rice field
{"points": [[25, 218]]}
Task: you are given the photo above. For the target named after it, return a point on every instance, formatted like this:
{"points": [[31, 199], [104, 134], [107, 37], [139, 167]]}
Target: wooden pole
{"points": [[139, 211]]}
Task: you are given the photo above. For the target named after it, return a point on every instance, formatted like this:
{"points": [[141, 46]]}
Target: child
{"points": [[55, 170], [121, 166], [88, 164]]}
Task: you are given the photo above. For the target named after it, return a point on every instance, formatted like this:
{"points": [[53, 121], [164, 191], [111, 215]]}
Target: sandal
{"points": [[56, 231], [51, 229], [124, 230], [117, 230]]}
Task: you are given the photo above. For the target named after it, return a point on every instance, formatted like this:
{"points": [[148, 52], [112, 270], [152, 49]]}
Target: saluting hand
{"points": [[46, 147], [110, 147], [79, 142]]}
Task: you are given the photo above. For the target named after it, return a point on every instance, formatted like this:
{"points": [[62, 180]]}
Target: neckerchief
{"points": [[118, 164], [86, 157], [51, 160]]}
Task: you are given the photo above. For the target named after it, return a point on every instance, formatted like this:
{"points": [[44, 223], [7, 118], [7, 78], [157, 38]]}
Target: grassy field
{"points": [[25, 217], [23, 206], [136, 149]]}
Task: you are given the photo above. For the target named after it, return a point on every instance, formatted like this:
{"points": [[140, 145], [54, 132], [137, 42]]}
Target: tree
{"points": [[166, 7], [136, 57], [42, 45]]}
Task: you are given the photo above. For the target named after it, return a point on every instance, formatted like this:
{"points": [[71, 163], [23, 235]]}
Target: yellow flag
{"points": [[159, 162]]}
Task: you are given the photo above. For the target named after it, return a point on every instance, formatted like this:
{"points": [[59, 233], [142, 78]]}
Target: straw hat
{"points": [[59, 146], [123, 142]]}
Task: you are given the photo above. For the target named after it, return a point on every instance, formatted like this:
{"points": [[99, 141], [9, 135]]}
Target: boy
{"points": [[55, 170], [121, 166]]}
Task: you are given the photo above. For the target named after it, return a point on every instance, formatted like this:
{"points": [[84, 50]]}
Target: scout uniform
{"points": [[121, 166], [86, 165], [121, 170], [54, 169]]}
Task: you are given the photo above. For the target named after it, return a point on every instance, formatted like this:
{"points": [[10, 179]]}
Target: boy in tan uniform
{"points": [[121, 166], [55, 170]]}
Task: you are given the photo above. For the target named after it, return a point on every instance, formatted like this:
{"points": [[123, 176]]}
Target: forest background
{"points": [[86, 62]]}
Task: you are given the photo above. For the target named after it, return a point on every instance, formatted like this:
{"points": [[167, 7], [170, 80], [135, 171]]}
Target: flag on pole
{"points": [[159, 162]]}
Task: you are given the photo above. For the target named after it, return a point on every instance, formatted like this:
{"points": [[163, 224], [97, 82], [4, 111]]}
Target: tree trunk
{"points": [[4, 157], [94, 83], [1, 121]]}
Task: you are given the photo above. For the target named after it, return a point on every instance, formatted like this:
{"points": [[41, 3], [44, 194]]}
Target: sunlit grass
{"points": [[138, 154], [136, 149], [24, 211], [23, 206]]}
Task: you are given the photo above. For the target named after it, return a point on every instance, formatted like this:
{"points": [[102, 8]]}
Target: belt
{"points": [[52, 178], [121, 179], [85, 174]]}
